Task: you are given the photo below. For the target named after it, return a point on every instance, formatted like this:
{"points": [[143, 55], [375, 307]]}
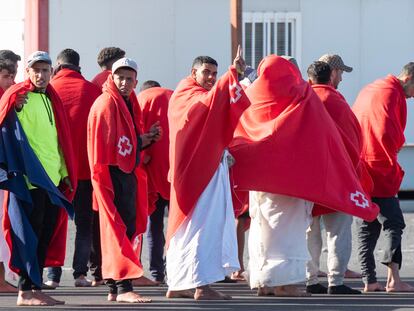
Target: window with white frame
{"points": [[267, 33]]}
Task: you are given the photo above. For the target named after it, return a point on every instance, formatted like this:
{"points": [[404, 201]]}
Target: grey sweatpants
{"points": [[339, 243]]}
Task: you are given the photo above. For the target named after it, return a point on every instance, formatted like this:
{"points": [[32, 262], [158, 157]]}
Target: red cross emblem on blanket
{"points": [[235, 92], [124, 146], [359, 199]]}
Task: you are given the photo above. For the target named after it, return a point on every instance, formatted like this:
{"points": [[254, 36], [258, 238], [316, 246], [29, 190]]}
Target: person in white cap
{"points": [[114, 142]]}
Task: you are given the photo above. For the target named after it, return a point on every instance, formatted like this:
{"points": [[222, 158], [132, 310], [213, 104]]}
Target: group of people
{"points": [[261, 148]]}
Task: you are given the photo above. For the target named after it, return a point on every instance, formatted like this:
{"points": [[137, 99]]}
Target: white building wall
{"points": [[372, 36], [163, 36], [12, 29]]}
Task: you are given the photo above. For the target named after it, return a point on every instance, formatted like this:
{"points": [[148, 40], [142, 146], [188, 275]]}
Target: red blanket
{"points": [[77, 96], [112, 140], [350, 131], [57, 247], [381, 110], [202, 124], [288, 144], [100, 78], [154, 106]]}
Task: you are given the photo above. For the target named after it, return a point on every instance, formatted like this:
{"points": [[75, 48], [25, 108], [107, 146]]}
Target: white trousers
{"points": [[204, 248], [277, 240]]}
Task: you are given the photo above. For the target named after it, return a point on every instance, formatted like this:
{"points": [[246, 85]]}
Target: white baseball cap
{"points": [[125, 62]]}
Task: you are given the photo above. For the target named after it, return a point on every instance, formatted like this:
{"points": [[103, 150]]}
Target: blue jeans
{"points": [[156, 240], [54, 274]]}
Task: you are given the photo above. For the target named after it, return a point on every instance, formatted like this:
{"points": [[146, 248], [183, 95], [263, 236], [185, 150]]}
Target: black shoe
{"points": [[342, 290], [227, 280], [316, 289]]}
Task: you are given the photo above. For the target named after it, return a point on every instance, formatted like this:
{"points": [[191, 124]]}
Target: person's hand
{"points": [[155, 131], [67, 182], [239, 62], [21, 100], [153, 135]]}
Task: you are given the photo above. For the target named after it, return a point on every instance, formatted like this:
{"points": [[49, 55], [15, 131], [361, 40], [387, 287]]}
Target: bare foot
{"points": [[7, 288], [131, 297], [290, 291], [143, 281], [238, 276], [207, 293], [373, 287], [27, 298], [265, 291], [41, 295], [187, 293], [112, 297], [399, 287], [349, 274]]}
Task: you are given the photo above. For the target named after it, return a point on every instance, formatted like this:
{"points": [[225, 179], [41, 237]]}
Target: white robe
{"points": [[277, 241], [204, 248]]}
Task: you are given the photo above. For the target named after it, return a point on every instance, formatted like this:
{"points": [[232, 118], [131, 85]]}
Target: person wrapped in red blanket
{"points": [[114, 144], [337, 224], [35, 224], [201, 235], [290, 153], [78, 95], [381, 110], [153, 100]]}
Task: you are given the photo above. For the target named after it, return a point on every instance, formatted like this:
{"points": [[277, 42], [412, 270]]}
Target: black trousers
{"points": [[156, 240], [43, 219], [125, 190], [95, 259], [391, 221]]}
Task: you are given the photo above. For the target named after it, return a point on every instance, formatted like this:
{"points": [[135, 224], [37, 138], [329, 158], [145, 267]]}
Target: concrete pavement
{"points": [[243, 297]]}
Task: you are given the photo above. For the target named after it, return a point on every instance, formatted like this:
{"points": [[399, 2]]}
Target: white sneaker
{"points": [[82, 282], [51, 284]]}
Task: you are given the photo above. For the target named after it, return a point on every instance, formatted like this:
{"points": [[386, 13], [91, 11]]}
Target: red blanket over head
{"points": [[201, 124], [381, 110], [77, 95], [112, 140], [288, 144], [350, 131], [57, 247], [154, 106]]}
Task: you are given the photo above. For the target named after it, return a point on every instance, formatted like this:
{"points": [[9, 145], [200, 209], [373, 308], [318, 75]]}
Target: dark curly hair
{"points": [[109, 55]]}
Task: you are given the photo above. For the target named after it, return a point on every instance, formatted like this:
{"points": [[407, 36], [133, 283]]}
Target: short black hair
{"points": [[7, 64], [200, 60], [9, 55], [149, 84], [319, 72], [109, 54], [69, 56]]}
